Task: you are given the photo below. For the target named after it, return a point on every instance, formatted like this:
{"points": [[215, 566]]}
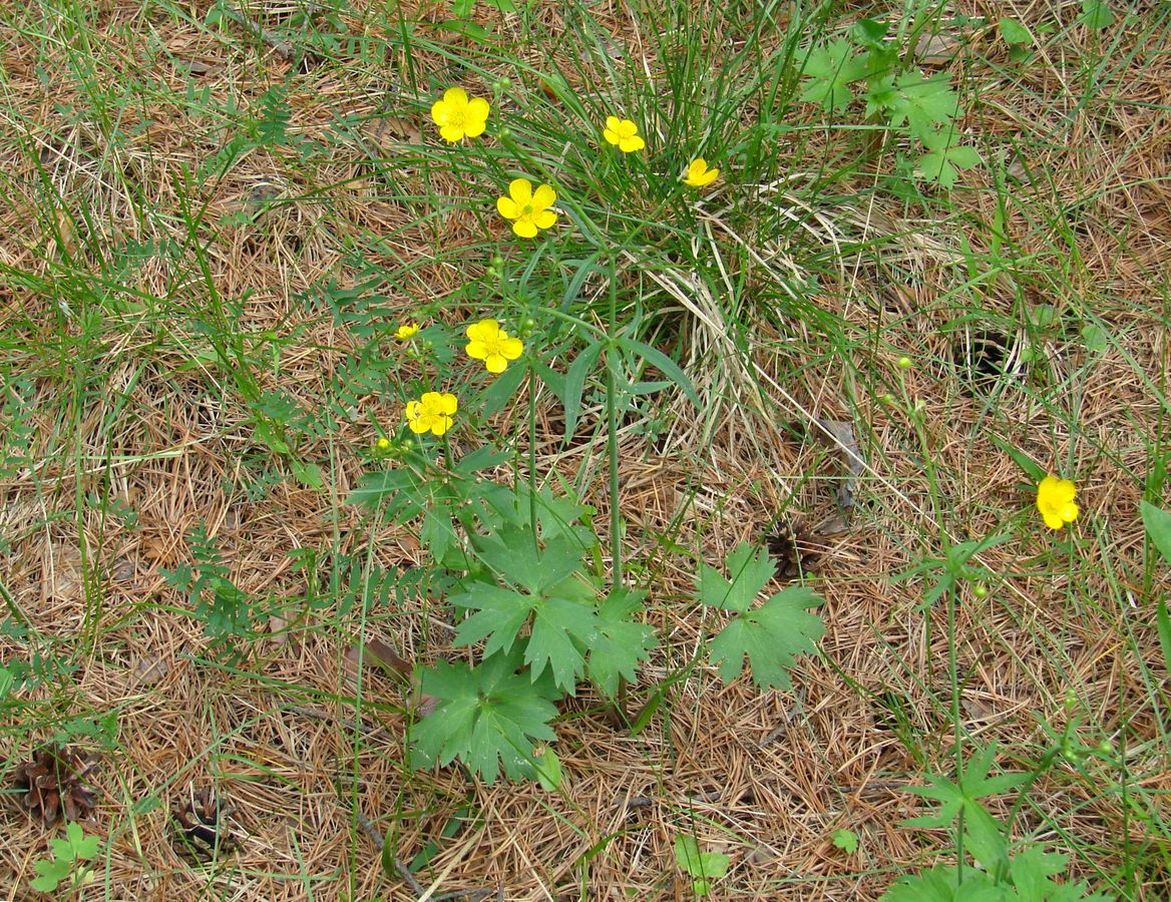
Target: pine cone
{"points": [[199, 825], [53, 783]]}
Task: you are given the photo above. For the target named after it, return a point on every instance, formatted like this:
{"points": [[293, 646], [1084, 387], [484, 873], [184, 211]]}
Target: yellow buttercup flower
{"points": [[623, 134], [698, 175], [493, 345], [432, 413], [1055, 501], [406, 331], [459, 116], [528, 209]]}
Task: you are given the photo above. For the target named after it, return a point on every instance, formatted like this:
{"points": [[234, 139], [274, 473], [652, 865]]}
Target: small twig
{"points": [[469, 895]]}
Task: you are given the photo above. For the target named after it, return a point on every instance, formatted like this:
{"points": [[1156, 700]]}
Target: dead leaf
{"points": [[377, 656], [278, 626], [938, 49], [193, 67], [842, 433], [834, 524], [61, 577], [124, 570], [391, 132], [149, 670]]}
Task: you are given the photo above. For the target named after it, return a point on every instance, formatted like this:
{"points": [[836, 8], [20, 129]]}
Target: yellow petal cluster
{"points": [[698, 175], [459, 116], [433, 413], [491, 344], [623, 134], [528, 209], [1055, 501]]}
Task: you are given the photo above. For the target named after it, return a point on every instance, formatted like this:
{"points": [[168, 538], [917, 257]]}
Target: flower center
{"points": [[526, 210]]}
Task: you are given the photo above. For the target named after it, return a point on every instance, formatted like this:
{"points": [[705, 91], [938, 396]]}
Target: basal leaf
{"points": [[561, 630], [489, 716], [924, 104], [771, 636], [829, 71], [514, 556], [750, 573], [619, 643], [500, 615], [49, 874]]}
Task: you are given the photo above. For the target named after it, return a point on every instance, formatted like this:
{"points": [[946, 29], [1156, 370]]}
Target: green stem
{"points": [[533, 455], [612, 432]]}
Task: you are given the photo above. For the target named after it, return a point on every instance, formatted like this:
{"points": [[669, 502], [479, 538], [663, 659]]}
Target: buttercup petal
{"points": [[457, 97], [507, 207], [440, 112], [478, 109], [613, 124], [630, 145], [474, 128], [525, 227], [1068, 512], [451, 133], [521, 191], [511, 348], [449, 404], [477, 350], [496, 363], [544, 197], [545, 219], [1053, 521]]}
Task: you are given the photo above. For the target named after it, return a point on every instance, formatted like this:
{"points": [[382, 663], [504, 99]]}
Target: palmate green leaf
{"points": [[553, 599], [829, 71], [943, 165], [771, 636], [514, 556], [704, 866], [489, 716], [846, 840], [76, 845], [750, 573], [924, 104], [500, 615], [1096, 14], [49, 874], [562, 627], [619, 642], [942, 884], [984, 836]]}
